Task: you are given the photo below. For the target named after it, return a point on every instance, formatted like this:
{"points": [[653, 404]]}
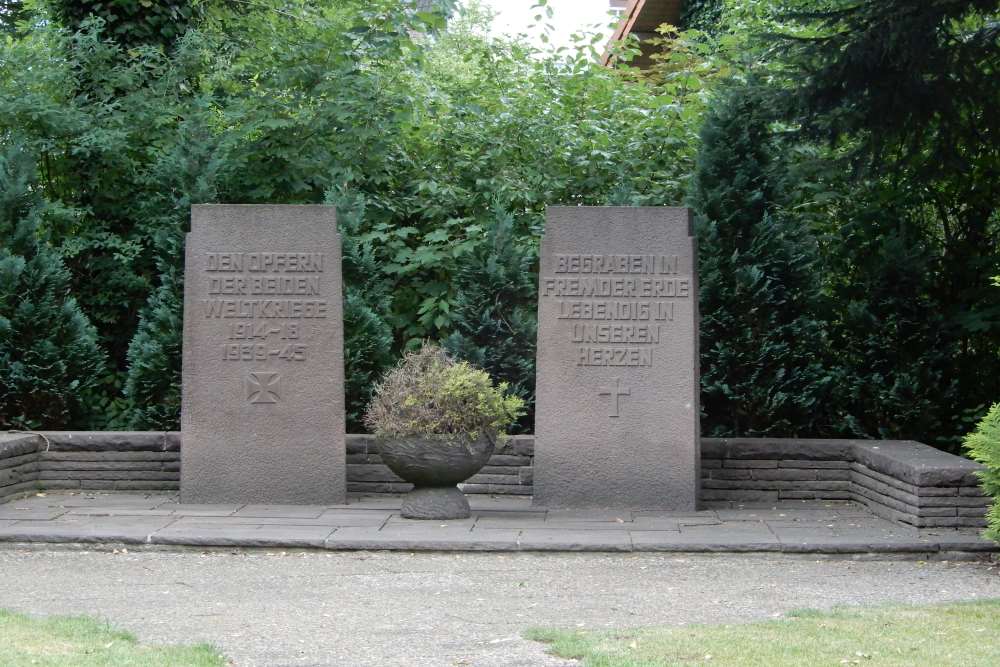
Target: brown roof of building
{"points": [[641, 18]]}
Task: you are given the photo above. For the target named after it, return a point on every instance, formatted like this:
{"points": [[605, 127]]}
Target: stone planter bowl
{"points": [[434, 464]]}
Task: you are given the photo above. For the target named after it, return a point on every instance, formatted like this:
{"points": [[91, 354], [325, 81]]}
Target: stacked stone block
{"points": [[18, 464], [915, 484], [900, 480], [110, 461], [769, 470]]}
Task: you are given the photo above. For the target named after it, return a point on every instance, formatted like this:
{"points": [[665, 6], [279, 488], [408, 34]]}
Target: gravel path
{"points": [[376, 608]]}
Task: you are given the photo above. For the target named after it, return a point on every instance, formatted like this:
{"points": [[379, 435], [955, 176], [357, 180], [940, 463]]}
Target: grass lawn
{"points": [[965, 634], [85, 642]]}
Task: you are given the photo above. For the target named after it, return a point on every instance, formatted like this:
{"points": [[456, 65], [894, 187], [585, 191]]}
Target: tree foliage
{"points": [[841, 155], [703, 15], [130, 23], [12, 12], [896, 191]]}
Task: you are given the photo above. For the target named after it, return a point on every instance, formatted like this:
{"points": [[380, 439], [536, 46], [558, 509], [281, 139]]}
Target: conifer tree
{"points": [[49, 356], [368, 340], [189, 173], [153, 382], [496, 317], [761, 339]]}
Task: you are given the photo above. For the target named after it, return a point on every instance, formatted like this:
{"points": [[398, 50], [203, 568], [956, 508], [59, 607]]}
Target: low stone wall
{"points": [[904, 481], [901, 480], [18, 464], [94, 460]]}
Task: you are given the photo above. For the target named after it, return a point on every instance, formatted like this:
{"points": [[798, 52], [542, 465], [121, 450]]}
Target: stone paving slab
{"points": [[641, 523], [128, 530], [116, 511], [736, 537], [290, 511], [496, 524], [561, 539], [590, 516], [562, 524], [262, 521], [20, 512], [395, 538], [397, 521], [254, 535], [201, 510], [514, 520], [108, 500]]}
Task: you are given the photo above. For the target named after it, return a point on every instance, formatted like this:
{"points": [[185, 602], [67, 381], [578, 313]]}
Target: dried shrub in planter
{"points": [[430, 393]]}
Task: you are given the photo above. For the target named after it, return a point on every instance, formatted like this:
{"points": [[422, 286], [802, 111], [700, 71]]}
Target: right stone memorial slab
{"points": [[617, 387]]}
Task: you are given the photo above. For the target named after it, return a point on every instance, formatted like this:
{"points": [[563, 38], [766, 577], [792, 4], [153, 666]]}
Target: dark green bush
{"points": [[496, 311], [153, 388], [189, 170], [49, 357], [762, 335], [368, 339]]}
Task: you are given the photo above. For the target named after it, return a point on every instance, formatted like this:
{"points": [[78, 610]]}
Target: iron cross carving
{"points": [[262, 387]]}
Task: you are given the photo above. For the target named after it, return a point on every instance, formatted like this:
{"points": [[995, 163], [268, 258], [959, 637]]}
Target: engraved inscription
{"points": [[261, 352], [264, 262], [614, 356], [616, 263], [262, 387], [268, 285], [264, 329], [263, 308], [616, 333], [620, 310], [252, 330], [616, 395], [631, 288]]}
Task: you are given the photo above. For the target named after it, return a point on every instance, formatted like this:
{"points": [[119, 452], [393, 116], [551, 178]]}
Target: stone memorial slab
{"points": [[263, 373], [617, 411]]}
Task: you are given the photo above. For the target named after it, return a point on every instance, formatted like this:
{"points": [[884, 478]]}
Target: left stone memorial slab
{"points": [[262, 416]]}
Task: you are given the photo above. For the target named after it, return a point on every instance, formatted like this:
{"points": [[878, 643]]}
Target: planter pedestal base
{"points": [[435, 502]]}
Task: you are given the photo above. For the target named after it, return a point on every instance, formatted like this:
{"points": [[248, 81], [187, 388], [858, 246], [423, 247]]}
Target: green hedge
{"points": [[984, 446]]}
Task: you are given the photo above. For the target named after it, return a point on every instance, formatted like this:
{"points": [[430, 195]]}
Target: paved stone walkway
{"points": [[497, 524]]}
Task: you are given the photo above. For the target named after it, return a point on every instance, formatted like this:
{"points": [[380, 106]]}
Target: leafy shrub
{"points": [[896, 350], [430, 393], [984, 446], [131, 23], [702, 14]]}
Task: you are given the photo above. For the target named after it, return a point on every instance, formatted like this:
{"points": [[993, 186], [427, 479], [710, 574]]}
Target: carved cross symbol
{"points": [[262, 387], [616, 395]]}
